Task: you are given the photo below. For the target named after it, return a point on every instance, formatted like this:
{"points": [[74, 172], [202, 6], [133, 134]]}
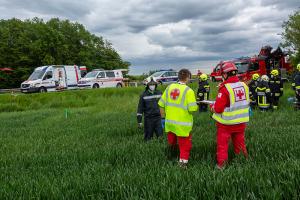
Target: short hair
{"points": [[183, 74]]}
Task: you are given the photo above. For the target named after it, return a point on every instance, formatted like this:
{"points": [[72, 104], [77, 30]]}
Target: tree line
{"points": [[27, 44]]}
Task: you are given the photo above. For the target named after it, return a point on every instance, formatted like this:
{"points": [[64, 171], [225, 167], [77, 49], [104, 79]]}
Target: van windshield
{"points": [[242, 67], [37, 74], [92, 74], [156, 74]]}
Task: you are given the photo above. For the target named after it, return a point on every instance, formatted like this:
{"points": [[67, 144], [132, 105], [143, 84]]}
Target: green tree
{"points": [[27, 44], [291, 36]]}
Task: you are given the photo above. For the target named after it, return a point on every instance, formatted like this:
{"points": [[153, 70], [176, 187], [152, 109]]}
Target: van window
{"points": [[110, 74], [166, 74], [101, 75], [217, 68], [48, 75], [173, 73]]}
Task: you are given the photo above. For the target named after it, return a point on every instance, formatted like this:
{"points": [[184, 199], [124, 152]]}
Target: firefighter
{"points": [[203, 92], [252, 90], [263, 93], [177, 103], [296, 87], [276, 87], [148, 106], [231, 113]]}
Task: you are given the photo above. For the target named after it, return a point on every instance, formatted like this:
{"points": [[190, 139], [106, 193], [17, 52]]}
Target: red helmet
{"points": [[228, 67]]}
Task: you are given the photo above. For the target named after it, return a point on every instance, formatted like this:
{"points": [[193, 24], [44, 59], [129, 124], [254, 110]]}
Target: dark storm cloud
{"points": [[171, 32], [66, 8]]}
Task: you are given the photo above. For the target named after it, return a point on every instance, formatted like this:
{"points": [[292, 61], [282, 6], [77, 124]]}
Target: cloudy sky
{"points": [[154, 34]]}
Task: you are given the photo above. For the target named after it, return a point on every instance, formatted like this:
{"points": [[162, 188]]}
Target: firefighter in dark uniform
{"points": [[276, 87], [203, 92], [263, 93], [148, 106], [296, 87], [252, 90]]}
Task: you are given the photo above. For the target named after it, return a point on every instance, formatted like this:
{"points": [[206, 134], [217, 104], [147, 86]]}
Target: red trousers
{"points": [[184, 143], [223, 136]]}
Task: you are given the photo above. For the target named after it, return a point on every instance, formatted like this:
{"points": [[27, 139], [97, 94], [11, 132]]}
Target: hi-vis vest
{"points": [[178, 101], [262, 100], [238, 111]]}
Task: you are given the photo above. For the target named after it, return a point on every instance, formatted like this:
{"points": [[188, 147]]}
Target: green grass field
{"points": [[97, 152]]}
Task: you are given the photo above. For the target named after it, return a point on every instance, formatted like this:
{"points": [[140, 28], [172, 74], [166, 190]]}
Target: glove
{"points": [[140, 125], [163, 122], [250, 112]]}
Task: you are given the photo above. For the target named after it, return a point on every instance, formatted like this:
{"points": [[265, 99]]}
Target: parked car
{"points": [[52, 78], [163, 77], [100, 78]]}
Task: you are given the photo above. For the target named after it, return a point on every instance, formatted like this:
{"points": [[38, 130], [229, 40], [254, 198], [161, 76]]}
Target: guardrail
{"points": [[10, 90]]}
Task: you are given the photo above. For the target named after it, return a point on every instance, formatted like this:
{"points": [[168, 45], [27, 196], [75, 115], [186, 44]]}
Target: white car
{"points": [[52, 78], [163, 77], [100, 78]]}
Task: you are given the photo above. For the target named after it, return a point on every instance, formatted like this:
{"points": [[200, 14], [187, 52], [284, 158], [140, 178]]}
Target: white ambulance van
{"points": [[100, 78], [52, 78]]}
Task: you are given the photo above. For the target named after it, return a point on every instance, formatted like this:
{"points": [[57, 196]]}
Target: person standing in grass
{"points": [[252, 90], [263, 93], [231, 113], [296, 87], [276, 87], [149, 108], [203, 92], [176, 105]]}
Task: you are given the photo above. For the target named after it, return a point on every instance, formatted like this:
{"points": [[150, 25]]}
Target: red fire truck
{"points": [[261, 64]]}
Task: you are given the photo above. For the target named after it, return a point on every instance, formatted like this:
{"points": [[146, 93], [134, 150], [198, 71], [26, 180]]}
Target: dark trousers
{"points": [[275, 100], [152, 125], [297, 103], [203, 106]]}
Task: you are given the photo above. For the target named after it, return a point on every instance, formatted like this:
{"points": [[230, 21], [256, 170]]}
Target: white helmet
{"points": [[264, 78]]}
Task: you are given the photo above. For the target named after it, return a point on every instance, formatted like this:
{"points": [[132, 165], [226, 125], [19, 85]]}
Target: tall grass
{"points": [[97, 152]]}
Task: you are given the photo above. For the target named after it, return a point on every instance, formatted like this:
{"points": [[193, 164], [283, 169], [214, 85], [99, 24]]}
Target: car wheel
{"points": [[95, 86], [42, 90], [119, 85]]}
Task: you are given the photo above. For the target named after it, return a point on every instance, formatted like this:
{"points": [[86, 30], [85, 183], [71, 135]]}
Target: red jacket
{"points": [[223, 101]]}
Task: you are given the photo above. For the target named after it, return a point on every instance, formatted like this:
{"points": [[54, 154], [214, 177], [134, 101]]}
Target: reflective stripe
{"points": [[179, 123], [152, 97], [139, 114], [192, 104], [230, 109], [176, 105], [298, 87], [184, 95], [236, 116], [261, 93], [163, 101], [277, 94]]}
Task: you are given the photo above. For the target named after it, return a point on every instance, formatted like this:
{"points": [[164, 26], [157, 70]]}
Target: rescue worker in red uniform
{"points": [[231, 112], [276, 87]]}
